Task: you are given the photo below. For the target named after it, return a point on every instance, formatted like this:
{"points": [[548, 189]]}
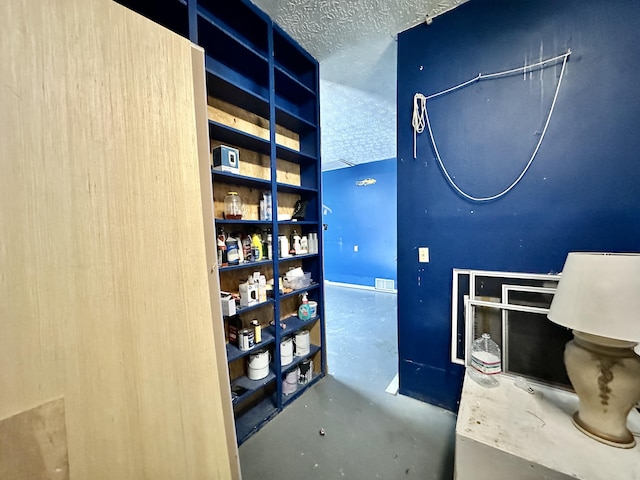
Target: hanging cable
{"points": [[420, 119]]}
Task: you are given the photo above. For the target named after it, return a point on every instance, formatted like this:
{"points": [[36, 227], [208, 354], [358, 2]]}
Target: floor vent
{"points": [[385, 284]]}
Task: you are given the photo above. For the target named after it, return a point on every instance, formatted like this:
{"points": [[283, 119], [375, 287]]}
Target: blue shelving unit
{"points": [[272, 84]]}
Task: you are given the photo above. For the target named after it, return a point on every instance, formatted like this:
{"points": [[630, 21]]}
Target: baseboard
{"points": [[359, 287], [394, 385]]}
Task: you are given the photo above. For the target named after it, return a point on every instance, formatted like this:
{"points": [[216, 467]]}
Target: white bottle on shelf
{"points": [[313, 243], [283, 246], [297, 247]]}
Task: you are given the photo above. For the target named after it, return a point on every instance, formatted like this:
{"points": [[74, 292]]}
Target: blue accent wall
{"points": [[582, 191], [362, 215]]}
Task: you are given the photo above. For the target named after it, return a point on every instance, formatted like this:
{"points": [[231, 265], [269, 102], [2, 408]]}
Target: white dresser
{"points": [[505, 433]]}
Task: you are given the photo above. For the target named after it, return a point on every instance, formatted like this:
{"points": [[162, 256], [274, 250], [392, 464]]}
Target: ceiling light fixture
{"points": [[347, 162]]}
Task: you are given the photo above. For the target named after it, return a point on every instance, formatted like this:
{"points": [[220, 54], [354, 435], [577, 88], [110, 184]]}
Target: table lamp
{"points": [[598, 296]]}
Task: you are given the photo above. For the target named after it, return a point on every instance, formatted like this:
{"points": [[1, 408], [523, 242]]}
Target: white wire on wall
{"points": [[421, 119]]}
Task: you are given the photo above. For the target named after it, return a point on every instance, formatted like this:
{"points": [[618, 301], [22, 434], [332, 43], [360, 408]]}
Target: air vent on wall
{"points": [[385, 284]]}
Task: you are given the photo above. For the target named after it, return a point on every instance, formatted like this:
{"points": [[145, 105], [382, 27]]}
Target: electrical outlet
{"points": [[423, 254], [355, 248]]}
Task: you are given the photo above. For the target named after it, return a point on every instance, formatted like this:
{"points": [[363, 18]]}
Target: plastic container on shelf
{"points": [[246, 248], [313, 308], [258, 365], [269, 245], [302, 343], [295, 242], [265, 206], [290, 382], [232, 206], [256, 247], [221, 240], [297, 279], [233, 253], [286, 351]]}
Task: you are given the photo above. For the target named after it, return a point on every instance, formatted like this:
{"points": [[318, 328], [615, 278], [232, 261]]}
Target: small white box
{"points": [[228, 304], [226, 159]]}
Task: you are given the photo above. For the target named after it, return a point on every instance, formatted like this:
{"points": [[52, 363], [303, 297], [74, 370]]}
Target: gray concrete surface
{"points": [[369, 434]]}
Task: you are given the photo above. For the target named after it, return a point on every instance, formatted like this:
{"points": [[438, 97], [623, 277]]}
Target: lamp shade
{"points": [[599, 293]]}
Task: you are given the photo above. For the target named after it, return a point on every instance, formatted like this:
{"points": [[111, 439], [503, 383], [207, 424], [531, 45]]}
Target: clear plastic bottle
{"points": [[486, 361], [265, 206]]}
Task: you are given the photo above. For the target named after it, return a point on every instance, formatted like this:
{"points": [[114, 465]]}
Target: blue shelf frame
{"points": [[305, 256], [237, 137], [293, 325], [299, 291], [254, 100], [240, 223], [285, 187], [251, 386], [252, 420], [234, 35], [243, 265], [256, 66], [242, 179]]}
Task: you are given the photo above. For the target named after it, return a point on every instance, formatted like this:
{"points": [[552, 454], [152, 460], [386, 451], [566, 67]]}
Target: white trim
{"points": [[469, 311], [359, 287], [394, 385], [506, 289], [473, 274]]}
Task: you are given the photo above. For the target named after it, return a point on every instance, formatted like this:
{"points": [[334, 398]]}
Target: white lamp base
{"points": [[605, 374]]}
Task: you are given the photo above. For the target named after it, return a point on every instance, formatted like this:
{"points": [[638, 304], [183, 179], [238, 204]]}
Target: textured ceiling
{"points": [[355, 43]]}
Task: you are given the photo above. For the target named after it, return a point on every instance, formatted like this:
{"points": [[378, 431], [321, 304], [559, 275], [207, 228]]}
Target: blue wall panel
{"points": [[581, 193], [362, 215]]}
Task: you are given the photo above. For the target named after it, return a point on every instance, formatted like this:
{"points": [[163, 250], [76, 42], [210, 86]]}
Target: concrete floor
{"points": [[368, 433]]}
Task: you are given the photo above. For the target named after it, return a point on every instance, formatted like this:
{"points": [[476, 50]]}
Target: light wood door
{"points": [[108, 286]]}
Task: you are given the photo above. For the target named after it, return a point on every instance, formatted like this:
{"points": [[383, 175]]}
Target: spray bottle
{"points": [[304, 311]]}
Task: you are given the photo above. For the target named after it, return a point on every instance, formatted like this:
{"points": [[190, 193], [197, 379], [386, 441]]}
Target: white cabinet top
{"points": [[537, 429]]}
